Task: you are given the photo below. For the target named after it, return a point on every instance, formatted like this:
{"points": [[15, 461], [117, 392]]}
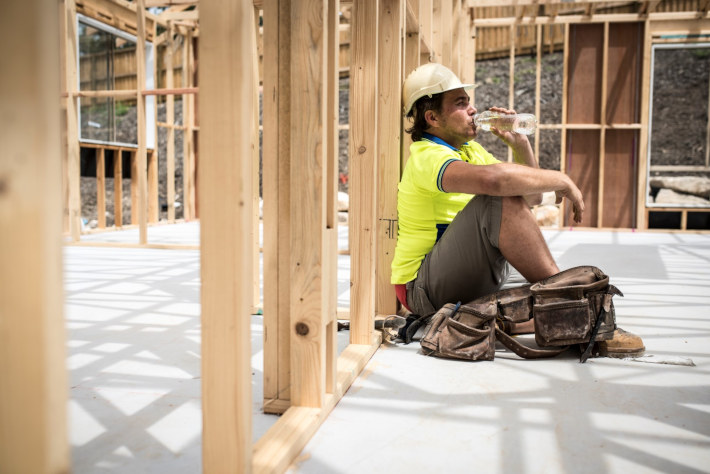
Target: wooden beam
{"points": [[526, 3], [389, 135], [166, 3], [152, 184], [72, 123], [645, 101], [597, 18], [141, 212], [411, 56], [226, 102], [118, 188], [457, 37], [188, 151], [134, 187], [170, 119], [511, 77], [538, 74], [277, 208], [363, 167], [34, 382], [436, 34], [275, 451], [446, 25], [168, 16], [120, 14], [308, 192], [171, 91], [412, 17], [332, 149], [565, 102], [255, 152], [62, 15], [603, 122], [101, 188]]}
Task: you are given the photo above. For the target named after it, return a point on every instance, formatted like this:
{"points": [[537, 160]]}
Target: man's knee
{"points": [[515, 205]]}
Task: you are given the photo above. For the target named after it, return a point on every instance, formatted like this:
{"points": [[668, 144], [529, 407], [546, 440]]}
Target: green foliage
{"points": [[700, 53]]}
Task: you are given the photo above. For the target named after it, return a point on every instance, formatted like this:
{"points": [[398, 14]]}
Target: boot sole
{"points": [[623, 353]]}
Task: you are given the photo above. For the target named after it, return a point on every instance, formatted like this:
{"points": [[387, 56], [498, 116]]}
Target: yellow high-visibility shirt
{"points": [[424, 210]]}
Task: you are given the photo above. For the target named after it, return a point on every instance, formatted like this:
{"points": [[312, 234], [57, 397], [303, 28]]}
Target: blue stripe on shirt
{"points": [[440, 177]]}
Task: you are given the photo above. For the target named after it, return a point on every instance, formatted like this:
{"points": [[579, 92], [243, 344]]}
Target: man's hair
{"points": [[418, 111]]}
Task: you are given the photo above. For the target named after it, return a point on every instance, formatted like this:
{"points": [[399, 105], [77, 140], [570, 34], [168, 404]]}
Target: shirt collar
{"points": [[435, 139]]}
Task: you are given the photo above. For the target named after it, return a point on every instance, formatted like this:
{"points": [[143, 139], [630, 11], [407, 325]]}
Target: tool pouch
{"points": [[574, 307], [462, 331]]}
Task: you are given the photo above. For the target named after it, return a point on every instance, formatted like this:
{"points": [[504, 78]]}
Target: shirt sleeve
{"points": [[430, 166]]}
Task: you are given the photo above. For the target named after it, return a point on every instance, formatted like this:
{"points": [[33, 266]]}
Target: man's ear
{"points": [[431, 118]]}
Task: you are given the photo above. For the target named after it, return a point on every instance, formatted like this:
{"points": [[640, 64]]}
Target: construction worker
{"points": [[464, 216]]}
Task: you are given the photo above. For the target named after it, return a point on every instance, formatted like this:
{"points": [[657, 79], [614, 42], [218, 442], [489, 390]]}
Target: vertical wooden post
{"points": [[152, 180], [134, 187], [188, 158], [226, 101], [33, 404], [73, 151], [141, 212], [308, 192], [446, 27], [472, 47], [603, 123], [425, 16], [436, 33], [389, 111], [538, 73], [330, 265], [457, 37], [511, 78], [277, 208], [170, 121], [62, 17], [101, 187], [411, 56], [255, 246], [563, 137], [118, 188], [363, 167], [645, 100]]}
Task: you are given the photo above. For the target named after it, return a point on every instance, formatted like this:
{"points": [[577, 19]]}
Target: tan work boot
{"points": [[623, 344]]}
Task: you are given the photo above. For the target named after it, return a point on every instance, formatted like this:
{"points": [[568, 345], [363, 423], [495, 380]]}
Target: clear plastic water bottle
{"points": [[518, 123]]}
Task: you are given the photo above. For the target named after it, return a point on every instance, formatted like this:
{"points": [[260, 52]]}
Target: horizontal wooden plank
{"points": [[525, 3], [287, 437], [599, 18]]}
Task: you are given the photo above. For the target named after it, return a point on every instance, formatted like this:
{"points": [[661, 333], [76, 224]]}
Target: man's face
{"points": [[455, 122]]}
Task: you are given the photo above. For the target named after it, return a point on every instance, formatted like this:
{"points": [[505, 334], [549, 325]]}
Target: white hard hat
{"points": [[429, 79]]}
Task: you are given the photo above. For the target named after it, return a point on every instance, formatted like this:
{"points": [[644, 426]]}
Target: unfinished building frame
{"points": [[604, 134]]}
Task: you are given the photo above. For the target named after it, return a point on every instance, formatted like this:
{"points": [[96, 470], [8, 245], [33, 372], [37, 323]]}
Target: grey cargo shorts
{"points": [[465, 263]]}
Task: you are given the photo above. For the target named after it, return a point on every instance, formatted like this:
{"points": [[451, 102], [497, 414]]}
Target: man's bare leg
{"points": [[522, 244]]}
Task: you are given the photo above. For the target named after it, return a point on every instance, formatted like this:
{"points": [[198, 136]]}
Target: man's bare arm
{"points": [[509, 179], [522, 152]]}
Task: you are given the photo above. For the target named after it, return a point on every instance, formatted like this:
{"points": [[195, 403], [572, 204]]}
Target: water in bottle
{"points": [[518, 123]]}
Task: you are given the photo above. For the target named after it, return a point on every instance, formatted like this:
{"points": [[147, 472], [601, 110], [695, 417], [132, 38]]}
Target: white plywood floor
{"points": [[133, 346]]}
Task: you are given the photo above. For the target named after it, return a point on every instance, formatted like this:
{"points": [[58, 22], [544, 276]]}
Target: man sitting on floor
{"points": [[463, 214]]}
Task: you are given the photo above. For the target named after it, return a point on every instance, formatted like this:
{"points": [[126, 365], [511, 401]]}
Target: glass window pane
{"points": [[106, 62], [678, 154]]}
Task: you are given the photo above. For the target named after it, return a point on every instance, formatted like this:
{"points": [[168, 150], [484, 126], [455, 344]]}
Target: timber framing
{"points": [[606, 48], [606, 90]]}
